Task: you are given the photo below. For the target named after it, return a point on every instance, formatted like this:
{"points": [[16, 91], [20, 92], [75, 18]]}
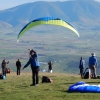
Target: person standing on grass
{"points": [[35, 64], [81, 66], [3, 66], [50, 66], [18, 65], [93, 64]]}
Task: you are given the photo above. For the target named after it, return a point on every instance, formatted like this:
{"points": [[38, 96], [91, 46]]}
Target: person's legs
{"points": [[4, 72], [91, 70], [94, 71], [33, 76], [37, 77], [81, 71], [17, 70]]}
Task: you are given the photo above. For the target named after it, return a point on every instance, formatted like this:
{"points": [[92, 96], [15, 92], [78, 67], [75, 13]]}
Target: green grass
{"points": [[18, 87]]}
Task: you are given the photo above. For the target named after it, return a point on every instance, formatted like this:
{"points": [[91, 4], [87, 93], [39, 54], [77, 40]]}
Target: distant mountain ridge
{"points": [[80, 12]]}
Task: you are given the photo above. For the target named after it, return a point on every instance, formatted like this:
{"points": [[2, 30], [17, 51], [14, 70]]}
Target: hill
{"points": [[18, 87], [4, 24], [81, 12]]}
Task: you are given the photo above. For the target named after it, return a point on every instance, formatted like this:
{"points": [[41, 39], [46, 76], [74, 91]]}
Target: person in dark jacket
{"points": [[3, 66], [34, 62], [18, 65], [82, 66]]}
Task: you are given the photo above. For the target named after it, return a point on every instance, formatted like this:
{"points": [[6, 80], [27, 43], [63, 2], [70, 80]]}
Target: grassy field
{"points": [[18, 87]]}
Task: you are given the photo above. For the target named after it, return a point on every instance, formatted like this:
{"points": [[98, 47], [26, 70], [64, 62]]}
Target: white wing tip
{"points": [[17, 41]]}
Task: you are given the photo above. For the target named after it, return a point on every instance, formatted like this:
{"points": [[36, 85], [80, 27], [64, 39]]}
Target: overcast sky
{"points": [[5, 4]]}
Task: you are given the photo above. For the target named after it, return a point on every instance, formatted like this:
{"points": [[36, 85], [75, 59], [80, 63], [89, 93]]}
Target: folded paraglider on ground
{"points": [[84, 87]]}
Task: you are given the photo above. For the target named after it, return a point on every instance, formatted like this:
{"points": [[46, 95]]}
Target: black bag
{"points": [[46, 79], [8, 70], [98, 76], [1, 77], [86, 73], [86, 76]]}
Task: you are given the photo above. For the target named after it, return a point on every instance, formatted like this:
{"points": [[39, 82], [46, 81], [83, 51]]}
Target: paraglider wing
{"points": [[47, 20], [83, 87]]}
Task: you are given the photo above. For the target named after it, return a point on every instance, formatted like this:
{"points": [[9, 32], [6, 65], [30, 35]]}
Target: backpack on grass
{"points": [[2, 77], [87, 74], [46, 79], [8, 70]]}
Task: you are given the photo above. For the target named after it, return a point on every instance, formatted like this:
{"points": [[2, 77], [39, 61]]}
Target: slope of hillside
{"points": [[4, 24], [80, 11]]}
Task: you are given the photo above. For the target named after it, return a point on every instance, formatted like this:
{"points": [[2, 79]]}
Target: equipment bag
{"points": [[46, 79], [87, 73], [1, 77], [8, 70]]}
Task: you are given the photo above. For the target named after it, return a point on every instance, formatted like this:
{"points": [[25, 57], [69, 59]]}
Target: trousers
{"points": [[35, 75], [93, 70]]}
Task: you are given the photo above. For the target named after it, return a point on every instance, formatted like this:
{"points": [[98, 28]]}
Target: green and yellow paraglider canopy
{"points": [[46, 20]]}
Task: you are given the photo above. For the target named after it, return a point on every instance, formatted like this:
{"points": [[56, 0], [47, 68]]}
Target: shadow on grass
{"points": [[21, 86], [78, 92], [93, 82], [85, 82], [73, 92], [68, 83]]}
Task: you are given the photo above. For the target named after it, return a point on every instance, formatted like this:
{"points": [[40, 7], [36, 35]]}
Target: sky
{"points": [[5, 4]]}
